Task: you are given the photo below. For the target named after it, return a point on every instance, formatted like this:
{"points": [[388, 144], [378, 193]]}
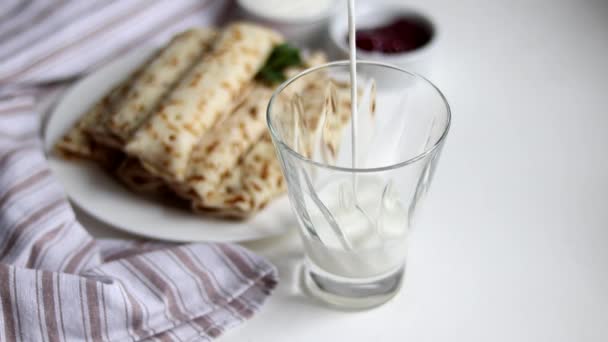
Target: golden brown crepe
{"points": [[203, 96], [76, 143], [258, 179], [318, 115], [332, 101], [248, 188], [218, 151], [161, 73], [89, 137]]}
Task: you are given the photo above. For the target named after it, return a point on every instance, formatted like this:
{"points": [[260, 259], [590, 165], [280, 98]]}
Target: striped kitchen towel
{"points": [[57, 283]]}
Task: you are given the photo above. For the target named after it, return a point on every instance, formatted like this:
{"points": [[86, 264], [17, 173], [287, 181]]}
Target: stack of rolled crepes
{"points": [[191, 120]]}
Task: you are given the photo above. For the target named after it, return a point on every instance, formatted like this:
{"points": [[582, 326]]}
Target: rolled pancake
{"points": [[133, 98], [165, 142], [319, 113], [161, 73], [77, 143], [95, 125], [258, 178], [220, 149], [249, 187], [333, 103]]}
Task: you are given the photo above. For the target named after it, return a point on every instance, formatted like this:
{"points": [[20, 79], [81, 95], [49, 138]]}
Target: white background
{"points": [[513, 242]]}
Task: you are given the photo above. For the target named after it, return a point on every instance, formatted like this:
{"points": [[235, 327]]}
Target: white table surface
{"points": [[513, 241]]}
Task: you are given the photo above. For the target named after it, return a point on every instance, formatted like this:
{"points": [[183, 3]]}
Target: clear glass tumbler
{"points": [[355, 199]]}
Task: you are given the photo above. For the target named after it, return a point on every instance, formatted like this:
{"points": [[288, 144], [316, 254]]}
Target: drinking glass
{"points": [[355, 199]]}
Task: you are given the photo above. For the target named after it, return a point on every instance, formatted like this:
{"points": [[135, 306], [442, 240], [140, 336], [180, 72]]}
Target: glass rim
{"points": [[406, 162]]}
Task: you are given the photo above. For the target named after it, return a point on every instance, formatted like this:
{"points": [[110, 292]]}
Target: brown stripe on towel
{"points": [[48, 300], [20, 229], [8, 301], [40, 244]]}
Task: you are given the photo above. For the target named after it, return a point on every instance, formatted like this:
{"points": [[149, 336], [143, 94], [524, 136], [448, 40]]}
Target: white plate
{"points": [[101, 196]]}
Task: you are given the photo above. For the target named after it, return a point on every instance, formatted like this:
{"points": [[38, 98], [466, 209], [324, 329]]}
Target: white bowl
{"points": [[373, 15], [306, 31]]}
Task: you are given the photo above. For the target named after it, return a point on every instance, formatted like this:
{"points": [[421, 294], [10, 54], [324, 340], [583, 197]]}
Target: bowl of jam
{"points": [[387, 33]]}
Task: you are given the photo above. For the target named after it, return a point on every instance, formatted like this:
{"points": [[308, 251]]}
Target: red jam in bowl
{"points": [[403, 34]]}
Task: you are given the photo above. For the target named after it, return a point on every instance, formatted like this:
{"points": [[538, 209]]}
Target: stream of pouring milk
{"points": [[366, 233], [352, 46]]}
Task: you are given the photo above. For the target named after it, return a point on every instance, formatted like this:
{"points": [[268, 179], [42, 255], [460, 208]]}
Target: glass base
{"points": [[351, 294]]}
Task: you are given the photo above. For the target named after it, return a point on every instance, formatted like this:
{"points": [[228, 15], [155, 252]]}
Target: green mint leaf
{"points": [[281, 57]]}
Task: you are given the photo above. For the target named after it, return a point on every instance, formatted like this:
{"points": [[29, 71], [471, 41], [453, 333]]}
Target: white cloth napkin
{"points": [[57, 283]]}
